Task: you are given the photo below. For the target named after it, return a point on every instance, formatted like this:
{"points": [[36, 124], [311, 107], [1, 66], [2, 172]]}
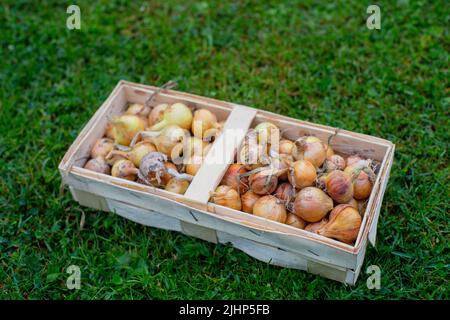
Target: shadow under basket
{"points": [[193, 214]]}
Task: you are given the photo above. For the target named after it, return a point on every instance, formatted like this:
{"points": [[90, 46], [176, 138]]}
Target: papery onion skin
{"points": [[248, 200], [109, 131], [362, 184], [156, 114], [177, 186], [334, 162], [178, 114], [339, 186], [267, 132], [98, 165], [138, 109], [283, 162], [286, 146], [313, 227], [124, 169], [271, 208], [330, 150], [126, 127], [295, 221], [203, 120], [312, 204], [228, 197], [231, 178], [353, 159], [285, 192], [102, 147], [302, 174], [139, 151], [263, 182], [310, 148], [343, 225]]}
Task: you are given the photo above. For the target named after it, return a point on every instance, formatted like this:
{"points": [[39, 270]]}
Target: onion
{"points": [[282, 163], [126, 127], [302, 173], [124, 169], [362, 182], [233, 179], [310, 148], [286, 146], [343, 225], [267, 133], [353, 203], [339, 186], [351, 160], [270, 208], [248, 201], [203, 121], [177, 186], [253, 156], [166, 139], [139, 110], [227, 196], [334, 162], [330, 150], [136, 154], [313, 227], [312, 204], [156, 114], [295, 221], [102, 147], [194, 165], [98, 165], [183, 151], [178, 114], [265, 181], [285, 192], [109, 131]]}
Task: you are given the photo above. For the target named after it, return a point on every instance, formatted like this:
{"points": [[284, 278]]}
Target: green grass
{"points": [[315, 61]]}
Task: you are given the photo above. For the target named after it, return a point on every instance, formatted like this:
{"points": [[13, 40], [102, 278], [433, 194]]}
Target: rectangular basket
{"points": [[193, 214]]}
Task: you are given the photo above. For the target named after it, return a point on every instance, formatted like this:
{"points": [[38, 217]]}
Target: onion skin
{"points": [[312, 204], [109, 131], [334, 162], [178, 114], [232, 179], [102, 147], [330, 150], [203, 121], [156, 114], [283, 163], [263, 182], [183, 151], [343, 225], [139, 110], [177, 186], [248, 200], [167, 138], [310, 148], [302, 174], [139, 151], [124, 169], [286, 146], [98, 165], [339, 186], [362, 185], [270, 208], [353, 203], [126, 127], [313, 227], [228, 197], [285, 192], [354, 159], [267, 132], [295, 221]]}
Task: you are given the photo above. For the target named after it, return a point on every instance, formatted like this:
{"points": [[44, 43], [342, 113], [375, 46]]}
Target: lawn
{"points": [[311, 60]]}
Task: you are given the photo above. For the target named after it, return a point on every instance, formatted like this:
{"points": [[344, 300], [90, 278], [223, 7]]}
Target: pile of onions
{"points": [[271, 208], [204, 124], [166, 139], [137, 152], [334, 162], [177, 186], [264, 181], [310, 148], [343, 225], [302, 173], [285, 192]]}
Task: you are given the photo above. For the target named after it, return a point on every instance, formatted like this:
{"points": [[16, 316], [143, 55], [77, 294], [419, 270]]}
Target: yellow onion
{"points": [[282, 162], [252, 155], [166, 139], [295, 221], [124, 169], [312, 204], [176, 114], [343, 225], [203, 123], [362, 182], [227, 196], [98, 165], [339, 186], [353, 203], [310, 148], [156, 114], [194, 164], [271, 208], [334, 162], [177, 186], [313, 227], [189, 147], [126, 127], [248, 200], [265, 181], [102, 147], [302, 173], [232, 178], [267, 133], [139, 110], [286, 146], [137, 152], [285, 192], [353, 159]]}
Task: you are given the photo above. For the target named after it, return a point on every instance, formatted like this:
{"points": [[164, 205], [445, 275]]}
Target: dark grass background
{"points": [[312, 60]]}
